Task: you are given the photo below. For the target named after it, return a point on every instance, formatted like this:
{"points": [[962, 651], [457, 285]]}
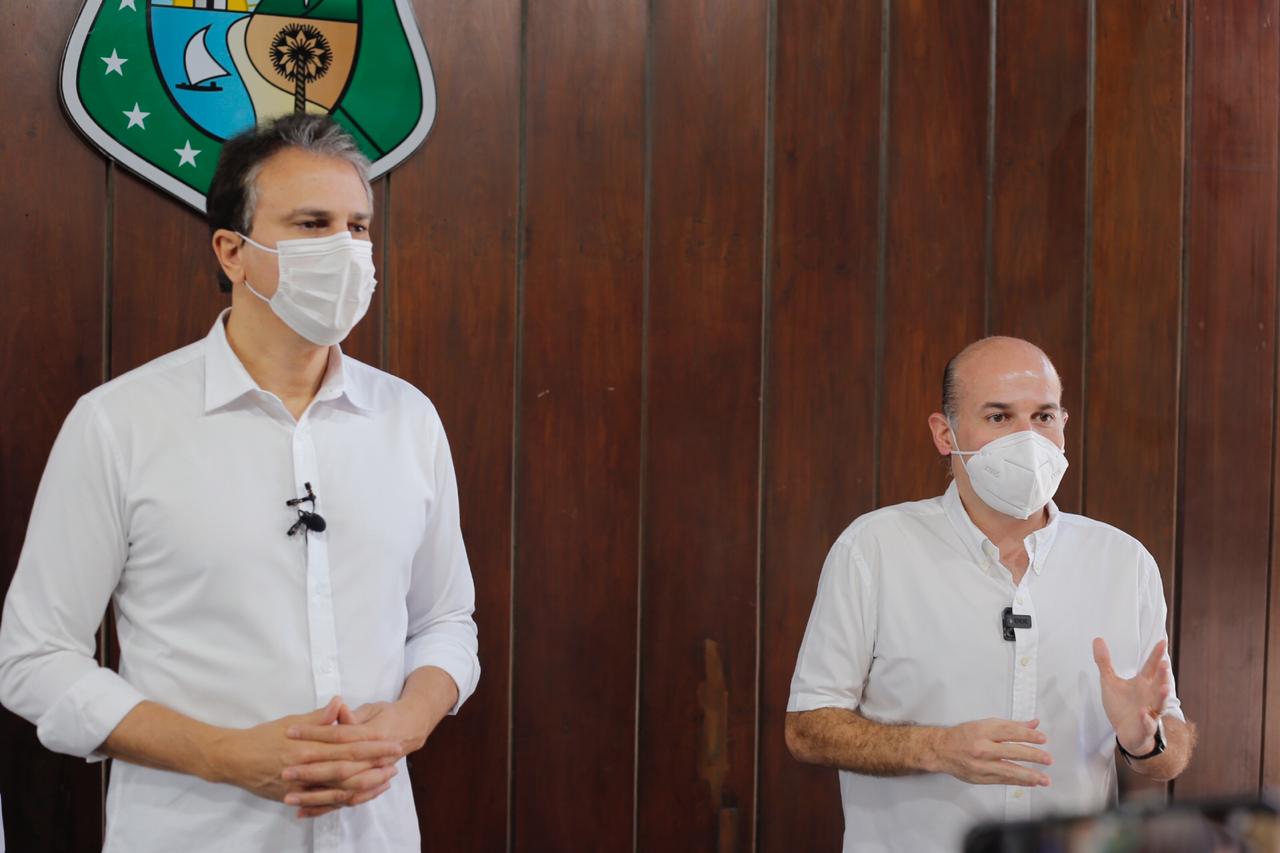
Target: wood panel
{"points": [[451, 289], [1229, 373], [819, 412], [1131, 422], [577, 481], [51, 333], [935, 281], [696, 749], [1039, 188], [164, 292]]}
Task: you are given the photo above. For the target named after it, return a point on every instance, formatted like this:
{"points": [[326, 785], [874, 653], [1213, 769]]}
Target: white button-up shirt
{"points": [[906, 627], [165, 493]]}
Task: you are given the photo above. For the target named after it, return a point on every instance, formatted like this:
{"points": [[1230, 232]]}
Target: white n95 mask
{"points": [[1016, 474], [325, 285]]}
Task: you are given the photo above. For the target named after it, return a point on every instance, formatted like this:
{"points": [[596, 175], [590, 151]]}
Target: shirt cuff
{"points": [[808, 701], [457, 660], [80, 721]]}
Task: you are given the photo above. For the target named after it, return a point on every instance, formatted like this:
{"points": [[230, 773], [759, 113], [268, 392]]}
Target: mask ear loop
{"points": [[258, 245], [955, 442]]}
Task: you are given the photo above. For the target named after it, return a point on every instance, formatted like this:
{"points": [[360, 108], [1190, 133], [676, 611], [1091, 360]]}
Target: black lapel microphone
{"points": [[310, 520], [1009, 621]]}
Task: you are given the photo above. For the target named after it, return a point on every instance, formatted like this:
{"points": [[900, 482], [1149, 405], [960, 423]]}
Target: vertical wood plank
{"points": [[164, 291], [1229, 375], [51, 343], [577, 483], [698, 647], [1135, 311], [935, 289], [819, 410], [451, 331], [1039, 188]]}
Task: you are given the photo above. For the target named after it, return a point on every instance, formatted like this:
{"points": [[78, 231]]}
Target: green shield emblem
{"points": [[159, 85]]}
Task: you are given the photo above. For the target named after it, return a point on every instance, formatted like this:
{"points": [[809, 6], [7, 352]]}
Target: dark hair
{"points": [[233, 194], [949, 392]]}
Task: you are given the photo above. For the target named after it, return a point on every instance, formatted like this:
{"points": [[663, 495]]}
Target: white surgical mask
{"points": [[325, 285], [1016, 474]]}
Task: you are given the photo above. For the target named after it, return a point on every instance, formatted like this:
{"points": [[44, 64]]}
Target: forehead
{"points": [[293, 178], [1007, 374]]}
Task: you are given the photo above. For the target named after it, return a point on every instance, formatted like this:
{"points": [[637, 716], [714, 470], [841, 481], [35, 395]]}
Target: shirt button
{"points": [[327, 669], [1026, 661], [1017, 794], [1018, 600]]}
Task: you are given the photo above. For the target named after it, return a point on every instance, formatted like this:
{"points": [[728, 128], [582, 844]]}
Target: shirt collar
{"points": [[982, 549], [226, 380]]}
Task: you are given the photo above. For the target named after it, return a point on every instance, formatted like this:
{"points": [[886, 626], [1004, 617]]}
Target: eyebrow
{"points": [[1005, 407], [318, 213]]}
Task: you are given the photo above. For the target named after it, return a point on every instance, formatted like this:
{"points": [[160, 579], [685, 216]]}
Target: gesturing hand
{"points": [[1133, 705], [983, 752], [261, 760]]}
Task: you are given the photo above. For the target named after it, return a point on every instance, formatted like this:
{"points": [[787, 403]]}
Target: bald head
{"points": [[999, 361]]}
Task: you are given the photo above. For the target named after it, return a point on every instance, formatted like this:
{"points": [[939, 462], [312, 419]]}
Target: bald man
{"points": [[981, 655]]}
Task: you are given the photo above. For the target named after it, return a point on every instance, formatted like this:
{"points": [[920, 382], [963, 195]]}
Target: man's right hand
{"points": [[255, 759], [983, 752]]}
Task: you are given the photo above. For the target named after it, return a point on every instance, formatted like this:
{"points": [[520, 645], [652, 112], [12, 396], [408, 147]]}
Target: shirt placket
{"points": [[320, 619], [1026, 645]]}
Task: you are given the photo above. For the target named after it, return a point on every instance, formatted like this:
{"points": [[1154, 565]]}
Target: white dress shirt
{"points": [[165, 493], [906, 627]]}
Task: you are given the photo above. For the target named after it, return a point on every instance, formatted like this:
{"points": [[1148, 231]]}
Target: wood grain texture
{"points": [[52, 228], [577, 481], [164, 292], [1130, 425], [451, 236], [935, 288], [1037, 288], [696, 753], [1229, 376], [819, 414], [1131, 434]]}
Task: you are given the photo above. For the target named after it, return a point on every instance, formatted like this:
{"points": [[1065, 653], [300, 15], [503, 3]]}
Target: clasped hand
{"points": [[324, 760]]}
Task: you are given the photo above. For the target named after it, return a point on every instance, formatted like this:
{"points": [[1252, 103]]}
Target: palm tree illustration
{"points": [[301, 54]]}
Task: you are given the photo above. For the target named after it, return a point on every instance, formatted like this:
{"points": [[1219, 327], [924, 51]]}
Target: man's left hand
{"points": [[1134, 705]]}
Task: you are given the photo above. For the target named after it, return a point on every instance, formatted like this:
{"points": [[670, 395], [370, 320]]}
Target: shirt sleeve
{"points": [[441, 592], [70, 564], [1152, 615], [836, 653]]}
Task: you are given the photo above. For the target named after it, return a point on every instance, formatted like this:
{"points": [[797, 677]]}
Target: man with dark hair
{"points": [[958, 663], [277, 526]]}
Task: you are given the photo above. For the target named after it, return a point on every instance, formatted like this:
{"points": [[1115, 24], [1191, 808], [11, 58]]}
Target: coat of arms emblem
{"points": [[159, 85]]}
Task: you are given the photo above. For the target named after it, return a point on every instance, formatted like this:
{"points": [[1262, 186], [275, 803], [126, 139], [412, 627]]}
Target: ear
{"points": [[227, 247], [943, 440]]}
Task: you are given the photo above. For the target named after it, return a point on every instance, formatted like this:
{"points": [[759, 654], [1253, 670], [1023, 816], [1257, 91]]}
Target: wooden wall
{"points": [[681, 278]]}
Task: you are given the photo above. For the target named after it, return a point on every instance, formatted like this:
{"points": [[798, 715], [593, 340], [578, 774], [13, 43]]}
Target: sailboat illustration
{"points": [[201, 67]]}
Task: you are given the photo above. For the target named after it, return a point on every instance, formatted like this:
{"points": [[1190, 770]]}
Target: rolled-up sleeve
{"points": [[835, 655], [441, 601], [1152, 613], [70, 564]]}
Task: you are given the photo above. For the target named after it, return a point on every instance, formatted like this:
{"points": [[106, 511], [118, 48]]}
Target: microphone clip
{"points": [[1010, 621], [307, 519]]}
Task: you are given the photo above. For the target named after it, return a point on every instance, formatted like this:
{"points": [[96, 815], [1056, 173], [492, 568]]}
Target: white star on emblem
{"points": [[114, 63], [136, 116], [187, 153], [127, 4]]}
